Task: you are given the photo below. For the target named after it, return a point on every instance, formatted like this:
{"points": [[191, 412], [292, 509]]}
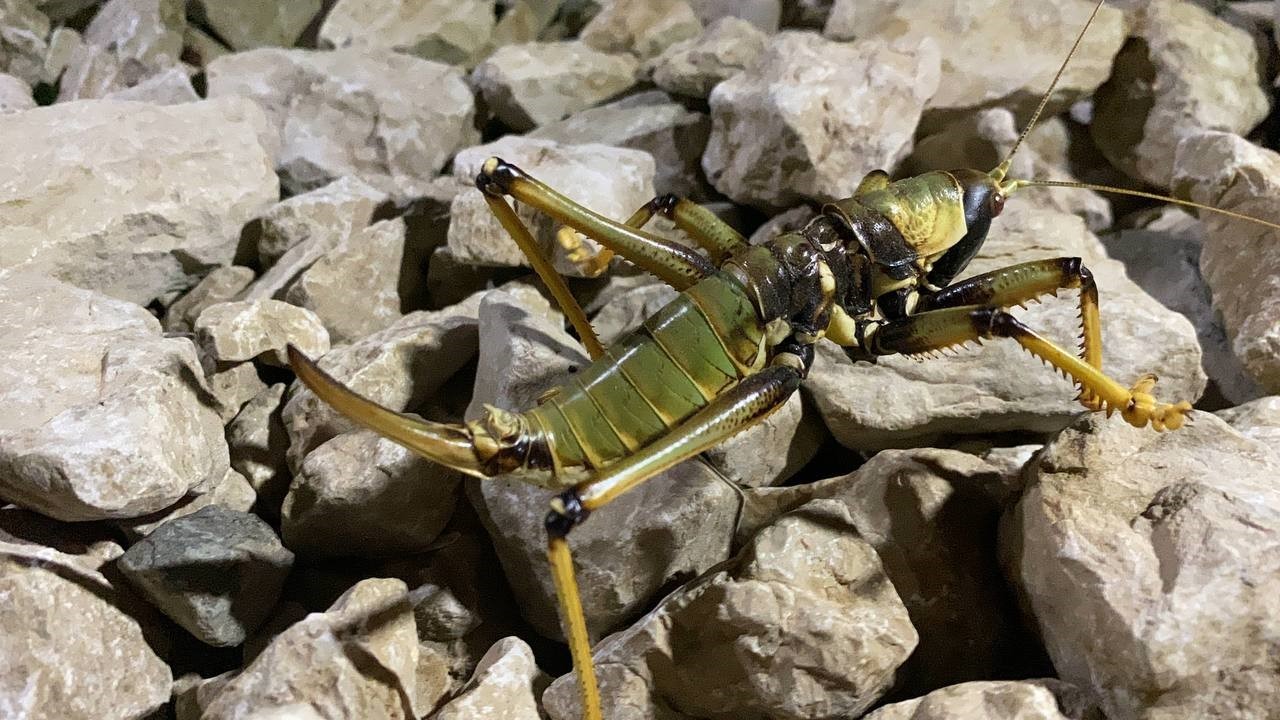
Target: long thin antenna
{"points": [[1003, 168], [1138, 193]]}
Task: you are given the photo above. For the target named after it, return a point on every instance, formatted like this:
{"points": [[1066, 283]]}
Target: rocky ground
{"points": [[186, 532]]}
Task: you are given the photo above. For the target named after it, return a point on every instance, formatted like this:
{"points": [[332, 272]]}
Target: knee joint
{"points": [[495, 176], [566, 513]]}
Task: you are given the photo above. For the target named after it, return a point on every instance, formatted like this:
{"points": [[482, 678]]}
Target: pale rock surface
{"points": [[995, 700], [221, 285], [232, 492], [104, 418], [995, 53], [1240, 260], [532, 84], [683, 519], [1149, 562], [333, 212], [613, 182], [932, 515], [63, 43], [71, 652], [217, 572], [811, 117], [258, 445], [127, 42], [1258, 420], [451, 31], [357, 659], [353, 287], [23, 33], [401, 367], [524, 21], [693, 67], [505, 686], [360, 494], [998, 386], [200, 48], [250, 24], [1184, 72], [764, 14], [641, 27], [232, 386], [171, 86], [15, 94], [390, 119], [980, 141], [802, 624], [1162, 256], [130, 199], [259, 329], [672, 134]]}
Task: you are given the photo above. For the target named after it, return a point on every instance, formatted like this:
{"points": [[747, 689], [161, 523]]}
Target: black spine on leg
{"points": [[565, 515]]}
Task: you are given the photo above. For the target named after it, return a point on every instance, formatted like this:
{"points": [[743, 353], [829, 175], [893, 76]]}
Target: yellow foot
{"points": [[1144, 408], [576, 251]]}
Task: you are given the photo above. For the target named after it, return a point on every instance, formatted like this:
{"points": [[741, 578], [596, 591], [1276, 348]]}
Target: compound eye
{"points": [[997, 204]]}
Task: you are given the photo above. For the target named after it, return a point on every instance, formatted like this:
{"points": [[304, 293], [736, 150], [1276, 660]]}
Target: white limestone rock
{"points": [[129, 199], [105, 418], [811, 117], [532, 84], [15, 94], [250, 24], [994, 700], [450, 31], [221, 285], [167, 87], [1148, 561], [641, 27], [1184, 72], [1258, 420], [335, 211], [693, 67], [998, 387], [506, 686], [127, 42], [259, 330], [390, 119], [24, 31]]}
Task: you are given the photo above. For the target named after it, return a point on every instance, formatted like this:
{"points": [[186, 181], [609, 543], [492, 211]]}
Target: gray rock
{"points": [[15, 95], [802, 624], [1162, 256], [200, 48], [401, 367], [673, 135], [684, 518], [506, 686], [249, 24], [524, 21], [233, 386], [614, 182], [693, 67], [764, 14], [1006, 55], [360, 494], [357, 659], [451, 31], [1258, 420], [390, 119], [997, 386], [104, 417], [72, 650], [221, 285], [333, 212], [810, 118], [216, 572], [1147, 560], [1238, 258], [167, 87], [259, 329], [258, 445], [23, 33], [1163, 88], [232, 492], [63, 43], [352, 289], [129, 199], [127, 42], [995, 700], [532, 84], [641, 27]]}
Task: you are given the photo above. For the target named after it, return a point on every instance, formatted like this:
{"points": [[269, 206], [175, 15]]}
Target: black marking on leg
{"points": [[566, 513], [496, 175]]}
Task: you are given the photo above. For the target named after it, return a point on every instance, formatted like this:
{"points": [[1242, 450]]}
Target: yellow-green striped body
{"points": [[703, 342]]}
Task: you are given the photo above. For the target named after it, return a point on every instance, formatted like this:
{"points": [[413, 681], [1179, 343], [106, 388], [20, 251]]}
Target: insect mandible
{"points": [[738, 340]]}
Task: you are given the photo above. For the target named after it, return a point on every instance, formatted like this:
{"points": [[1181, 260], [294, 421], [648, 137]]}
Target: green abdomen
{"points": [[703, 342]]}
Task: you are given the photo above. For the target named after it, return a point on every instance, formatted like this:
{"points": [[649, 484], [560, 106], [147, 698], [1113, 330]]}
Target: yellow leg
{"points": [[575, 623]]}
